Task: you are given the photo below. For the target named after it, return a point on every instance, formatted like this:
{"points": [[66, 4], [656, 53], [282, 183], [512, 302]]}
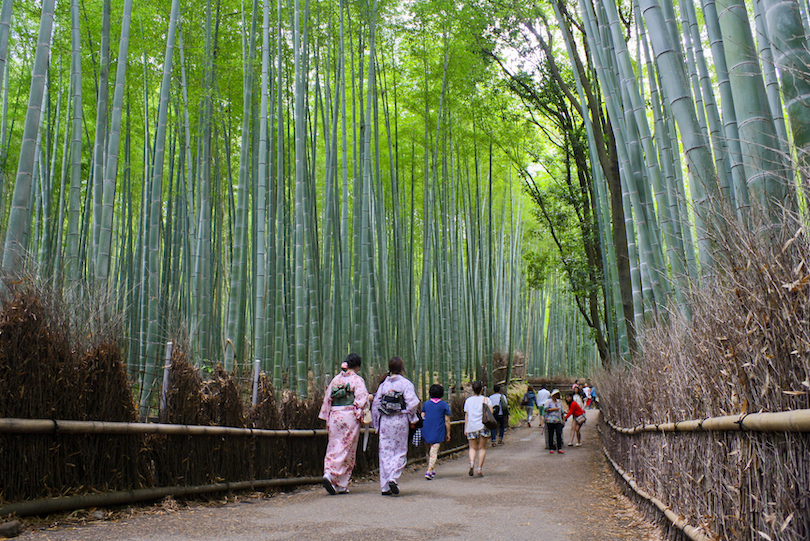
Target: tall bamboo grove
{"points": [[278, 182]]}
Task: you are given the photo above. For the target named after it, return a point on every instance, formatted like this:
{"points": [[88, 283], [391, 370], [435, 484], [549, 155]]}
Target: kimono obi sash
{"points": [[342, 395]]}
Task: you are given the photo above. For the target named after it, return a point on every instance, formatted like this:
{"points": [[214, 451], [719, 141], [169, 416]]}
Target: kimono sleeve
{"points": [[326, 407], [360, 393], [360, 396], [411, 402], [375, 404]]}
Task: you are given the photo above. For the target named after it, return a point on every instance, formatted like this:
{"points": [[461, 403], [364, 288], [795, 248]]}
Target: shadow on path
{"points": [[526, 493]]}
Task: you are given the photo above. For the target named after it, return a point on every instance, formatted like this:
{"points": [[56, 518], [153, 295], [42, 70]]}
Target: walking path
{"points": [[526, 493]]}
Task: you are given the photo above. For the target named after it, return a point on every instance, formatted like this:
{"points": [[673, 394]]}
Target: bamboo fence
{"points": [[783, 421], [69, 503]]}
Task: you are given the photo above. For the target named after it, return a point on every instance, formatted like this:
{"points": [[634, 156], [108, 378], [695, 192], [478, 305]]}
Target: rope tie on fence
{"points": [[55, 426], [741, 420]]}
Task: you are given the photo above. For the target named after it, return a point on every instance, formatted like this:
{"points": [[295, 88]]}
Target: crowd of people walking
{"points": [[394, 412]]}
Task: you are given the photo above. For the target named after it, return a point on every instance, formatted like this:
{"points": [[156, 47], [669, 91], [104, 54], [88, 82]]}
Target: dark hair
{"points": [[496, 388], [353, 360], [395, 366], [436, 391], [570, 395], [477, 387]]}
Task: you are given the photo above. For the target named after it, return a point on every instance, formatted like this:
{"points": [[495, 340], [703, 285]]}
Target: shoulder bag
{"points": [[487, 416]]}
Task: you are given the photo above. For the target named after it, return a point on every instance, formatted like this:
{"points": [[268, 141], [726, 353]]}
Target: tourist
{"points": [[554, 426], [575, 410], [343, 404], [528, 401], [500, 408], [436, 426], [540, 399], [393, 413], [477, 433], [587, 391]]}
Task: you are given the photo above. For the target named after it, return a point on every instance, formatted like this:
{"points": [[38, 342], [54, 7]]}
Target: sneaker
{"points": [[479, 473], [577, 445], [560, 451], [342, 490], [385, 493], [393, 487], [430, 475], [570, 445], [327, 484], [472, 466], [500, 442], [551, 452]]}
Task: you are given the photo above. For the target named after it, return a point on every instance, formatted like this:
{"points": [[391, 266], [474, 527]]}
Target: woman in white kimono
{"points": [[342, 409], [393, 412]]}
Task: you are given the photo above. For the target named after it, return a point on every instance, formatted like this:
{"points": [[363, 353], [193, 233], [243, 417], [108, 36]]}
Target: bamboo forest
{"points": [[272, 185]]}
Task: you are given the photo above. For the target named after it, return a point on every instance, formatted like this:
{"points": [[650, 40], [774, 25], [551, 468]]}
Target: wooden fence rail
{"points": [[56, 426], [783, 421]]}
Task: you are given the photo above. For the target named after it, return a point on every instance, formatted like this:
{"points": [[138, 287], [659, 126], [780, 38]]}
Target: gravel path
{"points": [[526, 493]]}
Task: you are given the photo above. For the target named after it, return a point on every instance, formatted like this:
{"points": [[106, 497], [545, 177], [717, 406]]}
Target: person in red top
{"points": [[579, 418]]}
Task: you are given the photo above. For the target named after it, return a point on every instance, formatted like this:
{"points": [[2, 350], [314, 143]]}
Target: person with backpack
{"points": [[528, 401], [500, 408], [393, 412], [342, 409]]}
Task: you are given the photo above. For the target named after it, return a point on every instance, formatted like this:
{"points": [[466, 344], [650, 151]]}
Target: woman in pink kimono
{"points": [[393, 411], [342, 409]]}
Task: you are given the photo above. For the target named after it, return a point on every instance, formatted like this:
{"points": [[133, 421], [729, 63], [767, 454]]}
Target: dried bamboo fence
{"points": [[65, 427], [796, 421], [742, 344]]}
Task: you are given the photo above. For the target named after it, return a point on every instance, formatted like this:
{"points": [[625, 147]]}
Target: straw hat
{"points": [[555, 392]]}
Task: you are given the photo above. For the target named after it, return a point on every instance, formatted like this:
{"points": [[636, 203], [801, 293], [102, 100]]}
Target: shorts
{"points": [[542, 410], [483, 433]]}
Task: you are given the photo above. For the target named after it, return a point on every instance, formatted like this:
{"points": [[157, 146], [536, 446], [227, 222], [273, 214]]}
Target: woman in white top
{"points": [[477, 433]]}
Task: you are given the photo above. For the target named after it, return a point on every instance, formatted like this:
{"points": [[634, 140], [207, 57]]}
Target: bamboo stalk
{"points": [[782, 421], [55, 426]]}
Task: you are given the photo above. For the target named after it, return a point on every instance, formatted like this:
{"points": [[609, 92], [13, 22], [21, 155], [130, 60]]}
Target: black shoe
{"points": [[386, 493], [392, 486], [327, 484]]}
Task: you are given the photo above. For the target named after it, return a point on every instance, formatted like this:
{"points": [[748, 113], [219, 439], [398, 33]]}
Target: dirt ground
{"points": [[525, 493]]}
